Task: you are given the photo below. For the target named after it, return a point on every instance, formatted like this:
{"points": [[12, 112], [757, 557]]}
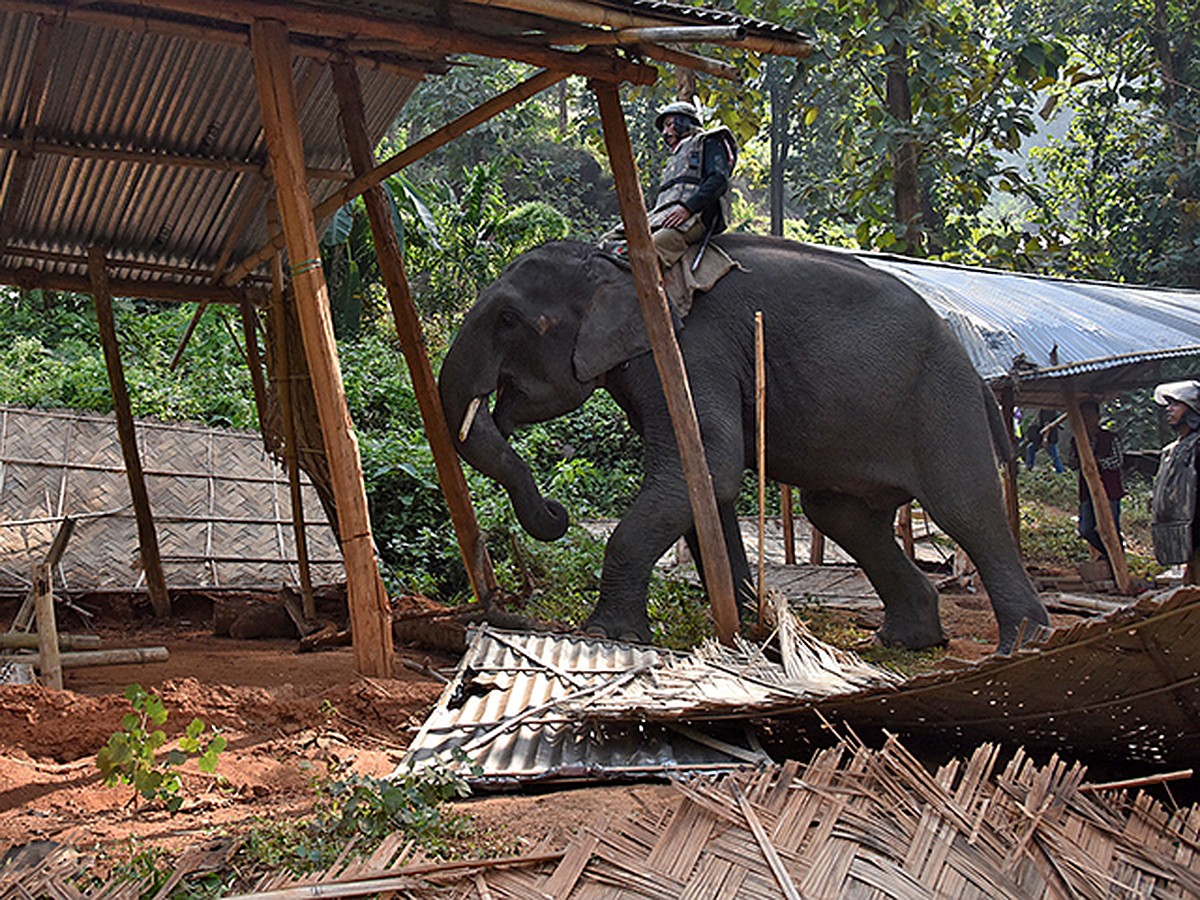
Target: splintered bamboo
{"points": [[370, 615], [648, 281], [51, 663]]}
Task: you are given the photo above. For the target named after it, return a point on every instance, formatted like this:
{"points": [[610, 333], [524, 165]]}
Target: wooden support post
{"points": [[760, 434], [1011, 501], [370, 617], [1100, 503], [25, 615], [648, 280], [787, 513], [258, 382], [816, 547], [151, 561], [904, 529], [412, 340], [48, 659], [291, 455]]}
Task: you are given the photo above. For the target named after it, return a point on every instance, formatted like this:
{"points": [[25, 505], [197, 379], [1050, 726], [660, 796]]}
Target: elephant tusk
{"points": [[468, 418]]}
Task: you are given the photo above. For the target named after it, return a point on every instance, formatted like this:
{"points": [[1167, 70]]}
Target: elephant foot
{"points": [[1023, 625], [618, 629], [912, 633]]}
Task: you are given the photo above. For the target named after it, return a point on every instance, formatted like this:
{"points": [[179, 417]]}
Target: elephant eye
{"points": [[509, 317]]}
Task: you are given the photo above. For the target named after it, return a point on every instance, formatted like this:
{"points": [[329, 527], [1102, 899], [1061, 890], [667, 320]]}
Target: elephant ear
{"points": [[612, 329]]}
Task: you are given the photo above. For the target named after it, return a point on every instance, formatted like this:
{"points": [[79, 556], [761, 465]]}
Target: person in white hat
{"points": [[693, 195], [1174, 509]]}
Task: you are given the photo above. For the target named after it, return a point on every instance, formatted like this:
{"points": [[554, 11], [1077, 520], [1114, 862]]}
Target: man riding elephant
{"points": [[693, 195]]}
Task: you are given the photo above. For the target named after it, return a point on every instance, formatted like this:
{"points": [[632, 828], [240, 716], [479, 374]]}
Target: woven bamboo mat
{"points": [[853, 822], [221, 504]]}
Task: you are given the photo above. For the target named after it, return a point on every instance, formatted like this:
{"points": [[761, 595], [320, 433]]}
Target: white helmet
{"points": [[679, 107], [1186, 392]]}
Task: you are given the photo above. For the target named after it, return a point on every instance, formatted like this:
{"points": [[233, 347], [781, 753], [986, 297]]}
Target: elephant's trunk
{"points": [[480, 443]]}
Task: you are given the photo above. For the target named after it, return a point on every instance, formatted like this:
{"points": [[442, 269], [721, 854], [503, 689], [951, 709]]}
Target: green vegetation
{"points": [[131, 755]]}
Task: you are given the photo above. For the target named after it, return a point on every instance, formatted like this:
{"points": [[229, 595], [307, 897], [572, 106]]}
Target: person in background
{"points": [[1106, 447], [1043, 434], [1174, 507]]}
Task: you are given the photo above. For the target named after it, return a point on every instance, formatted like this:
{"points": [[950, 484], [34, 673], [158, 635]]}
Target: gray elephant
{"points": [[871, 402]]}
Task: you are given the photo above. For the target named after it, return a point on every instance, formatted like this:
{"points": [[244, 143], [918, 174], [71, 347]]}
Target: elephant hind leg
{"points": [[910, 602]]}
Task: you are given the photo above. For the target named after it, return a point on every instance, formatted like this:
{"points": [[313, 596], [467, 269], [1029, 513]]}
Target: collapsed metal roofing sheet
{"points": [[525, 707], [1030, 327]]}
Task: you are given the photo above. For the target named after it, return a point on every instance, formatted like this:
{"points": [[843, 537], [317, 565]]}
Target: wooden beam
{"points": [[1095, 485], [787, 513], [29, 278], [75, 149], [668, 359], [370, 616], [408, 155], [588, 13], [412, 340], [258, 382], [407, 36], [221, 33], [675, 57], [156, 582], [291, 456]]}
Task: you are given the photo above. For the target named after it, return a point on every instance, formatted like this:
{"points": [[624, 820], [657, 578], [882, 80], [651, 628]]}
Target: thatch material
{"points": [[220, 504], [853, 822]]}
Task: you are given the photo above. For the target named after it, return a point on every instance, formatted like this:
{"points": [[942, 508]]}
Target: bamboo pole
{"points": [[760, 439], [50, 663], [673, 34], [694, 61], [118, 656], [816, 546], [393, 164], [787, 514], [412, 341], [58, 547], [258, 383], [1095, 485], [156, 582], [370, 616], [20, 641], [668, 359], [291, 457]]}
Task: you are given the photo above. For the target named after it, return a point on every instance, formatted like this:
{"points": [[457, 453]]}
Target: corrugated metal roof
{"points": [[1041, 329], [137, 128], [532, 707]]}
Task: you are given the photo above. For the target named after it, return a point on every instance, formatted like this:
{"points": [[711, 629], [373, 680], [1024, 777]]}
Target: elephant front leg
{"points": [[910, 603], [652, 524]]}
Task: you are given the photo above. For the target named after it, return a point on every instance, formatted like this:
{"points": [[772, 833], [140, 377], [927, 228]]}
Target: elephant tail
{"points": [[1000, 439]]}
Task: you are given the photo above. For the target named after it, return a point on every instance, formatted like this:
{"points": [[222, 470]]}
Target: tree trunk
{"points": [[906, 183]]}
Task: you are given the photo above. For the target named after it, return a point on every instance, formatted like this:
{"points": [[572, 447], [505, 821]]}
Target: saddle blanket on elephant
{"points": [[686, 278]]}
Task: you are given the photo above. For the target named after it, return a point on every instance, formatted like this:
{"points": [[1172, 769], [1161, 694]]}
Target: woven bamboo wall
{"points": [[221, 504]]}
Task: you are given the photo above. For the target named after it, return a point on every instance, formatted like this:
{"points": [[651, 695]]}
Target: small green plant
{"points": [[130, 756], [361, 811]]}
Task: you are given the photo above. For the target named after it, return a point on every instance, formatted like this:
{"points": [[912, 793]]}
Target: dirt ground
{"points": [[287, 716]]}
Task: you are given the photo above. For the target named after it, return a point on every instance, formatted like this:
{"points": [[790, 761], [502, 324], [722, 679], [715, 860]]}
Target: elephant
{"points": [[871, 401]]}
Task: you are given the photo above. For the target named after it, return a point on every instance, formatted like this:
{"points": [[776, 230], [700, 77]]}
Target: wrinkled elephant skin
{"points": [[871, 402]]}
